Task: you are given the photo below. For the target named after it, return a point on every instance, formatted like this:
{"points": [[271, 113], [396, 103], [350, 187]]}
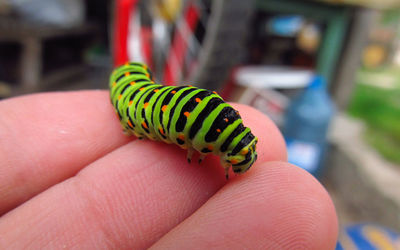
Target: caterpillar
{"points": [[193, 118]]}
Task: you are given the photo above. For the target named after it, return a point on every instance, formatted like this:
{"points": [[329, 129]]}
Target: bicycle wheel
{"points": [[188, 42]]}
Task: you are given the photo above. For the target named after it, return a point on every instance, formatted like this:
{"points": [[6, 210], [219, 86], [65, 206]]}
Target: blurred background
{"points": [[326, 71]]}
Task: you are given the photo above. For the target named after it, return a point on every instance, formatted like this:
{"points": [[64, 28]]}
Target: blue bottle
{"points": [[306, 125]]}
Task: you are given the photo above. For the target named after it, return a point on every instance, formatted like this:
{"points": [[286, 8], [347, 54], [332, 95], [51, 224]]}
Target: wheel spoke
{"points": [[203, 16], [183, 41]]}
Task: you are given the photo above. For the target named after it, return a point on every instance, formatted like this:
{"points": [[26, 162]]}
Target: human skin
{"points": [[69, 178]]}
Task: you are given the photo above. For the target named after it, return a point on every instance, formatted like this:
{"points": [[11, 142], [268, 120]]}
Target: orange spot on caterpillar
{"points": [[130, 103], [147, 75], [146, 104], [244, 151], [186, 114], [119, 97], [234, 161], [210, 147], [161, 130], [130, 124], [127, 74], [190, 85], [215, 92], [181, 136], [156, 90], [133, 83], [114, 84], [218, 130], [164, 108], [145, 125], [226, 120], [141, 89], [173, 92], [198, 100]]}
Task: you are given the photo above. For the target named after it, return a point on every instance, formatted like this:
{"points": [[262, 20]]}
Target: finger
{"points": [[277, 206], [129, 198], [46, 138]]}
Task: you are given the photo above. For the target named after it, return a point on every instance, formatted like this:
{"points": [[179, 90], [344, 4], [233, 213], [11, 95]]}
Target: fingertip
{"points": [[304, 207], [278, 206], [299, 205]]}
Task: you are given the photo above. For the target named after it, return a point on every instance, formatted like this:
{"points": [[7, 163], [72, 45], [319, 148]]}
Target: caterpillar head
{"points": [[242, 159]]}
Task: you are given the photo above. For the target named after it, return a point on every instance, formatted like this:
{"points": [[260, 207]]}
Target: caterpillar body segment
{"points": [[195, 119]]}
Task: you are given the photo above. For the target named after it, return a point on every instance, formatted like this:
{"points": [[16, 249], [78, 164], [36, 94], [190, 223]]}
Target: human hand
{"points": [[69, 178]]}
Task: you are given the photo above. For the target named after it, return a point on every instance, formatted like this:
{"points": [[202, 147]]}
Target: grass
{"points": [[387, 146], [376, 100]]}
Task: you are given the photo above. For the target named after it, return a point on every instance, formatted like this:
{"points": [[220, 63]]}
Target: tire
{"points": [[223, 43]]}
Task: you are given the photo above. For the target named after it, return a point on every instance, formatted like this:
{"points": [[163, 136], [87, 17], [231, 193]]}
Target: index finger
{"points": [[46, 138]]}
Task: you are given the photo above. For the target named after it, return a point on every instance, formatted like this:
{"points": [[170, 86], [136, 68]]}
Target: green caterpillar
{"points": [[193, 118]]}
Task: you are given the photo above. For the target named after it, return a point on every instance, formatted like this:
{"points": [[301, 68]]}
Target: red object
{"points": [[124, 9], [177, 53]]}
